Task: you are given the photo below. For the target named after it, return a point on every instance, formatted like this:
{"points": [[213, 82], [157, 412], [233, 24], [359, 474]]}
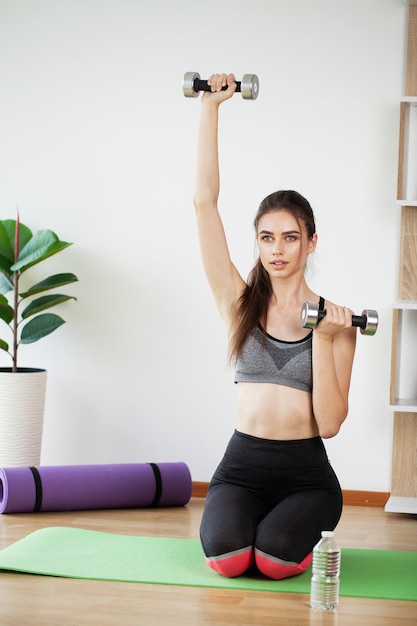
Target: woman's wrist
{"points": [[210, 105], [322, 342]]}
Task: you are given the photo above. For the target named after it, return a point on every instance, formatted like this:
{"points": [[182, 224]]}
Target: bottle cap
{"points": [[327, 533]]}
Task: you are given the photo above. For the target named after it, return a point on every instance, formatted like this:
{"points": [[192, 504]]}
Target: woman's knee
{"points": [[232, 564], [277, 569]]}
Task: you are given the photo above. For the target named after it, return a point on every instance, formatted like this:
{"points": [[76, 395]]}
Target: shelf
{"points": [[397, 504], [406, 202], [403, 305], [410, 100], [405, 405]]}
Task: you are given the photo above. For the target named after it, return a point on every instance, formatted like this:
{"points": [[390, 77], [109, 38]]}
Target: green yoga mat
{"points": [[77, 553]]}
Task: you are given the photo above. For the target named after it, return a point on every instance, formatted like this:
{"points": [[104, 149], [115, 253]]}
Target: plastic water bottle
{"points": [[326, 568]]}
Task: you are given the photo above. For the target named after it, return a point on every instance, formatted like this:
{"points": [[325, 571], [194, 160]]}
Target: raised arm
{"points": [[224, 279]]}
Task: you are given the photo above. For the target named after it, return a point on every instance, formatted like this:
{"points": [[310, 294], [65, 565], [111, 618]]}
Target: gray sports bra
{"points": [[265, 359]]}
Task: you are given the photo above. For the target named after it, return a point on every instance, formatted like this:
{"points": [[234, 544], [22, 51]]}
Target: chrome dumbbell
{"points": [[367, 322], [192, 84]]}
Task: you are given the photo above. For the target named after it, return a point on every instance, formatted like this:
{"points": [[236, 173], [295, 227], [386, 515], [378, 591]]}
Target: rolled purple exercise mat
{"points": [[83, 487]]}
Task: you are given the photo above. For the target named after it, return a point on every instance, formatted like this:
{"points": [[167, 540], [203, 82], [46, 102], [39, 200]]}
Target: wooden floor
{"points": [[45, 601]]}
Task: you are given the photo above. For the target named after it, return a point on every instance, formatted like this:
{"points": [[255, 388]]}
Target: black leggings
{"points": [[276, 496]]}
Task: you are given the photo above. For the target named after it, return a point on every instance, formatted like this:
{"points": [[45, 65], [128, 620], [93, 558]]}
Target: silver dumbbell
{"points": [[367, 322], [192, 84]]}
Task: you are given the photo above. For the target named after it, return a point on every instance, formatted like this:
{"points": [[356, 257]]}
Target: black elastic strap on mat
{"points": [[38, 489], [158, 486]]}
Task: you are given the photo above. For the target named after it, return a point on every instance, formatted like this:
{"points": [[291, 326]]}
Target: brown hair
{"points": [[252, 305]]}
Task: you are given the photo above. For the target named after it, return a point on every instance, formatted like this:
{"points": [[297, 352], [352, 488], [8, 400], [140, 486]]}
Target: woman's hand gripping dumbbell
{"points": [[367, 322], [192, 84]]}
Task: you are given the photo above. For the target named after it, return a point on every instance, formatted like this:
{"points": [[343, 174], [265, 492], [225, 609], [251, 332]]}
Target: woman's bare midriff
{"points": [[273, 411]]}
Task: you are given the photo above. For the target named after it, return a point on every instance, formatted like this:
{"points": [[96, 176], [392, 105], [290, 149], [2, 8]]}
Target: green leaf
{"points": [[7, 231], [6, 284], [4, 345], [43, 244], [7, 243], [45, 302], [58, 280], [6, 311], [40, 326]]}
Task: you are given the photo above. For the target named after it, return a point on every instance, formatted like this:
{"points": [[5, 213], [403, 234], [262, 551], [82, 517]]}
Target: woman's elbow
{"points": [[330, 428], [328, 432]]}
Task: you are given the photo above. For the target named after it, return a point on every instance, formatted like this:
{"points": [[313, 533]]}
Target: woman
{"points": [[274, 491]]}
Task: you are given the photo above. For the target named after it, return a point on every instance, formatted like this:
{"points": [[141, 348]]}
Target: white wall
{"points": [[98, 144]]}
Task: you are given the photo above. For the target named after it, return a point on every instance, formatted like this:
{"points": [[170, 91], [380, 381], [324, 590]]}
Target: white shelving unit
{"points": [[396, 504], [403, 388]]}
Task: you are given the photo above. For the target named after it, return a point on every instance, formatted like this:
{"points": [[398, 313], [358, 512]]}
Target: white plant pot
{"points": [[22, 403]]}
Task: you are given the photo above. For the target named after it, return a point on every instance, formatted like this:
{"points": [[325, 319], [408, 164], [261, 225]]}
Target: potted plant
{"points": [[22, 389]]}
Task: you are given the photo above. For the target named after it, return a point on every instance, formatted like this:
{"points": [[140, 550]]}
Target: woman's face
{"points": [[283, 243]]}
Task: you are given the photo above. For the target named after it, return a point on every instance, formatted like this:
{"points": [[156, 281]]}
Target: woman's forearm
{"points": [[330, 405], [207, 183]]}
